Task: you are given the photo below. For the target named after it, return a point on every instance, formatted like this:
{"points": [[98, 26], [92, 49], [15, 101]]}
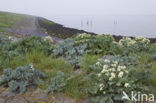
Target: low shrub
{"points": [[87, 61], [99, 44], [70, 51], [58, 83], [112, 76], [138, 44], [10, 50], [30, 43], [21, 77]]}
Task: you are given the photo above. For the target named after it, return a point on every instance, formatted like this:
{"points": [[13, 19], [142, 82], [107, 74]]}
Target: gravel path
{"points": [[29, 26]]}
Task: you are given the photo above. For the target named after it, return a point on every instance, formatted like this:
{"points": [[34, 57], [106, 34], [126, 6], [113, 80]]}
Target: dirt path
{"points": [[29, 26]]}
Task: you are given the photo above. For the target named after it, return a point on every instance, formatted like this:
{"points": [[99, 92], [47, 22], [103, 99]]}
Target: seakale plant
{"points": [[58, 83], [70, 51], [113, 76], [22, 77]]}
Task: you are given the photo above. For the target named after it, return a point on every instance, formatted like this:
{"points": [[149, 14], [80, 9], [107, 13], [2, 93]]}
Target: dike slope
{"points": [[21, 24]]}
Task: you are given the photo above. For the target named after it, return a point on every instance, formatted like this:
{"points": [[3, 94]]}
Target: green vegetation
{"points": [[88, 66], [21, 23], [22, 77], [87, 61], [7, 20], [113, 77]]}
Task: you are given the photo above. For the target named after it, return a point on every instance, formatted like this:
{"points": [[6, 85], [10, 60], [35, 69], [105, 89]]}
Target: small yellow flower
{"points": [[42, 102], [7, 89]]}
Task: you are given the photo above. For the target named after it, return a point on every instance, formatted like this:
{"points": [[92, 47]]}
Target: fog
{"points": [[47, 8], [119, 17]]}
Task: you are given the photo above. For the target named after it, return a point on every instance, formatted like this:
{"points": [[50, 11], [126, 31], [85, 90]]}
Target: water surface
{"points": [[127, 25]]}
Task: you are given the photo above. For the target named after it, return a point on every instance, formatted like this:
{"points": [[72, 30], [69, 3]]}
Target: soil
{"points": [[35, 95]]}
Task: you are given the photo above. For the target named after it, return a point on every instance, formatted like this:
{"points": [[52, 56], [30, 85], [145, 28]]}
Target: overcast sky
{"points": [[46, 8]]}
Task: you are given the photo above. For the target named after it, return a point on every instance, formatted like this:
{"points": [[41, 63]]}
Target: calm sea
{"points": [[127, 25]]}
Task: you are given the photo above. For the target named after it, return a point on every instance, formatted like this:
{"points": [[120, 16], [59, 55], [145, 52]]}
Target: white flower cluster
{"points": [[142, 39], [98, 63], [127, 85], [82, 41], [83, 35], [111, 70], [32, 67], [48, 38], [127, 41], [13, 39]]}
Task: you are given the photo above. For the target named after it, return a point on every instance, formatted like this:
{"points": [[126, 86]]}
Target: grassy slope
{"points": [[18, 21], [10, 20], [7, 20]]}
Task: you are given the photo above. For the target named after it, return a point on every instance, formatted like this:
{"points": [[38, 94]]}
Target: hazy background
{"points": [[80, 7], [120, 17]]}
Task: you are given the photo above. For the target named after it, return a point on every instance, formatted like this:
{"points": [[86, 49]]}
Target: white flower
{"points": [[104, 71], [110, 79], [104, 92], [123, 67], [48, 38], [107, 61], [83, 35], [131, 42], [142, 39], [98, 63], [32, 67], [10, 38], [120, 75], [126, 71], [101, 88], [107, 74], [113, 69], [105, 66], [126, 85], [101, 85], [118, 69], [115, 62], [99, 75], [113, 75], [114, 65]]}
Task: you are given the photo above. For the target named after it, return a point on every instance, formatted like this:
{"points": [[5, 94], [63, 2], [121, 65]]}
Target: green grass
{"points": [[48, 22], [3, 30], [7, 20], [45, 63], [76, 87], [87, 61], [153, 81], [48, 64]]}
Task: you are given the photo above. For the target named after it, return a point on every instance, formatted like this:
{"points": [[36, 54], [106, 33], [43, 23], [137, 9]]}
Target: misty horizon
{"points": [[133, 17], [69, 7]]}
